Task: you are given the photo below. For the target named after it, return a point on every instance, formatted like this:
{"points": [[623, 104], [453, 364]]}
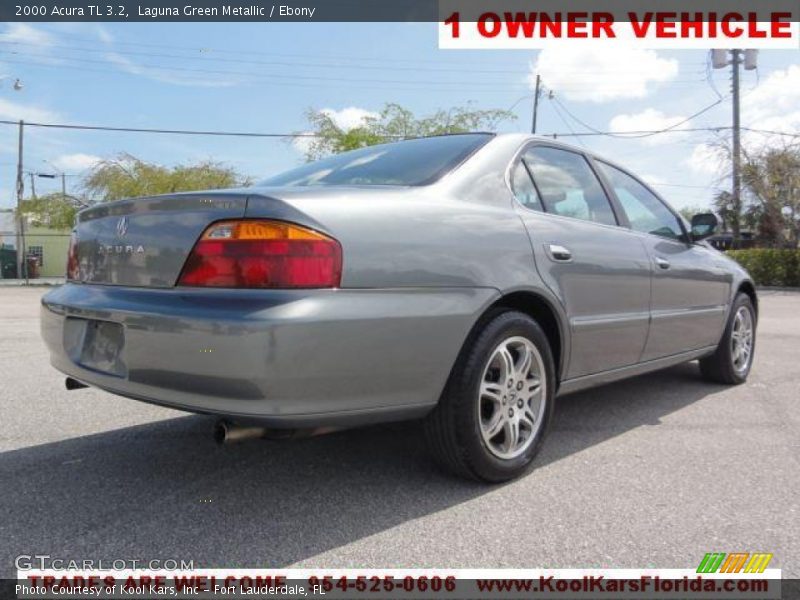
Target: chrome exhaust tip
{"points": [[74, 384], [226, 432]]}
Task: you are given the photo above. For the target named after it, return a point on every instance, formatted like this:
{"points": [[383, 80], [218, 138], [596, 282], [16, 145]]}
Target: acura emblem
{"points": [[122, 226]]}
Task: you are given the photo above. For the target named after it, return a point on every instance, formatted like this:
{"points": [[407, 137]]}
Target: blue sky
{"points": [[263, 77]]}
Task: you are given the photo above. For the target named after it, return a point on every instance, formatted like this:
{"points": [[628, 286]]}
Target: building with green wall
{"points": [[50, 246]]}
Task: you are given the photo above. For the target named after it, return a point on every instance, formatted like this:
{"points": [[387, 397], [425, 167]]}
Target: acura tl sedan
{"points": [[467, 280]]}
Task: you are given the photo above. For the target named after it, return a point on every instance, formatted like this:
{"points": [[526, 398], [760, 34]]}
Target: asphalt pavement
{"points": [[650, 472]]}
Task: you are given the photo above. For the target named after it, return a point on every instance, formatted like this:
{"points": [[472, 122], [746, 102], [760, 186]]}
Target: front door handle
{"points": [[662, 262], [559, 253]]}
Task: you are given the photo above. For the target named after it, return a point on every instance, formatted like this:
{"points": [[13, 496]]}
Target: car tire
{"points": [[490, 387], [731, 362]]}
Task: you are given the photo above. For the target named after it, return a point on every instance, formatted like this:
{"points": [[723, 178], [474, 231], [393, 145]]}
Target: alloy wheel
{"points": [[512, 397], [742, 339]]}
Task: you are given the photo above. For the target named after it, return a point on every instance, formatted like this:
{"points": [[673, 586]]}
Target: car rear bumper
{"points": [[284, 358]]}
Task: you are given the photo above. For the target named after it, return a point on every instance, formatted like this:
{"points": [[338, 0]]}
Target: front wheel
{"points": [[498, 402], [731, 362]]}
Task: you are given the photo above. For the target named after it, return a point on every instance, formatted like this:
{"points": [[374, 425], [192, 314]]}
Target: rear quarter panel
{"points": [[418, 238]]}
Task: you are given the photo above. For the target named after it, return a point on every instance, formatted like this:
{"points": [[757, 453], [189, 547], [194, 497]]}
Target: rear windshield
{"points": [[411, 162]]}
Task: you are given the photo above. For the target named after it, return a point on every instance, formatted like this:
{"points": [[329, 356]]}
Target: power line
{"points": [[209, 50], [165, 131], [564, 120], [50, 61], [257, 134], [262, 75], [206, 51], [672, 127], [278, 63], [770, 132], [323, 65], [632, 135], [248, 62]]}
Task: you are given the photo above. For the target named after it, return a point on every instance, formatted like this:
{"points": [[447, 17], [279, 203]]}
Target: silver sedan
{"points": [[465, 279]]}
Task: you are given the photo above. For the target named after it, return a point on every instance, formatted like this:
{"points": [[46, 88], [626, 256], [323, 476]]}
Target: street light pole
{"points": [[20, 183], [737, 146], [21, 266]]}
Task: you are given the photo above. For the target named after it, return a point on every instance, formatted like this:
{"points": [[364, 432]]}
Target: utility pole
{"points": [[63, 187], [22, 267], [33, 185], [536, 103], [737, 146], [720, 60]]}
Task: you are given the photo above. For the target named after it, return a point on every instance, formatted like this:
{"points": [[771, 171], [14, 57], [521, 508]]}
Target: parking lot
{"points": [[651, 472]]}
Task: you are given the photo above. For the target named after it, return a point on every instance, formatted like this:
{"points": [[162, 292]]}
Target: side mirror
{"points": [[703, 225]]}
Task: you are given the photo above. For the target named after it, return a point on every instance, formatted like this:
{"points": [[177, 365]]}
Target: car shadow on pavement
{"points": [[164, 490]]}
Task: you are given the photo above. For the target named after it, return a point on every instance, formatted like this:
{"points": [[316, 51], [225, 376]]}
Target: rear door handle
{"points": [[662, 262], [559, 253]]}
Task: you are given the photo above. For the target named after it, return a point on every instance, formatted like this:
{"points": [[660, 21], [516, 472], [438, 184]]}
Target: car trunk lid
{"points": [[144, 242]]}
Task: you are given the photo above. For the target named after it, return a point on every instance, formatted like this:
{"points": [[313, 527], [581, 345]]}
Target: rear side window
{"points": [[568, 186], [411, 162], [523, 188], [645, 211]]}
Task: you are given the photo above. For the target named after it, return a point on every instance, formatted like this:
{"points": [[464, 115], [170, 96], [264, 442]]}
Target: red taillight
{"points": [[263, 254], [73, 267]]}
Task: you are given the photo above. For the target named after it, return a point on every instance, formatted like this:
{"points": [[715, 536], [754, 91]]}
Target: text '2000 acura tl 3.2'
{"points": [[466, 279]]}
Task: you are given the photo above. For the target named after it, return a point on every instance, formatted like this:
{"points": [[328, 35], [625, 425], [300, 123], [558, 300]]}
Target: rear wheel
{"points": [[733, 358], [498, 402]]}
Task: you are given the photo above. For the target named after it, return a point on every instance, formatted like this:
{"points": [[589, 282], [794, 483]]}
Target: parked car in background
{"points": [[467, 280], [726, 241]]}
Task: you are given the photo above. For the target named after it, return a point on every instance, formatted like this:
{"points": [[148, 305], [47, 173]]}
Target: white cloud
{"points": [[601, 73], [76, 162], [21, 37], [649, 119], [167, 75], [773, 105], [161, 74], [707, 159], [14, 111], [653, 179], [103, 34], [350, 117], [22, 33]]}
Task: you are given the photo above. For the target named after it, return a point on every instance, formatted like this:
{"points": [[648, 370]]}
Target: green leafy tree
{"points": [[49, 210], [395, 122], [772, 179], [127, 176]]}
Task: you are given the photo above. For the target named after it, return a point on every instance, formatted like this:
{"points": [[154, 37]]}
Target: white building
{"points": [[8, 229]]}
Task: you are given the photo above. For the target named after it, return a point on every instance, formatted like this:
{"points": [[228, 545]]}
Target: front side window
{"points": [[568, 186], [645, 211], [410, 162]]}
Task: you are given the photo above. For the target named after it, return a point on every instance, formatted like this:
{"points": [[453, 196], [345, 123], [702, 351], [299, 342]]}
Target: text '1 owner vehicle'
{"points": [[466, 279]]}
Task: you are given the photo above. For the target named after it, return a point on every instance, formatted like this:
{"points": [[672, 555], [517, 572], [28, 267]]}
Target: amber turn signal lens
{"points": [[260, 230]]}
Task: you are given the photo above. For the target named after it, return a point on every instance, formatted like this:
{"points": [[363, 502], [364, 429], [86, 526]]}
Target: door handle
{"points": [[559, 253], [662, 262]]}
